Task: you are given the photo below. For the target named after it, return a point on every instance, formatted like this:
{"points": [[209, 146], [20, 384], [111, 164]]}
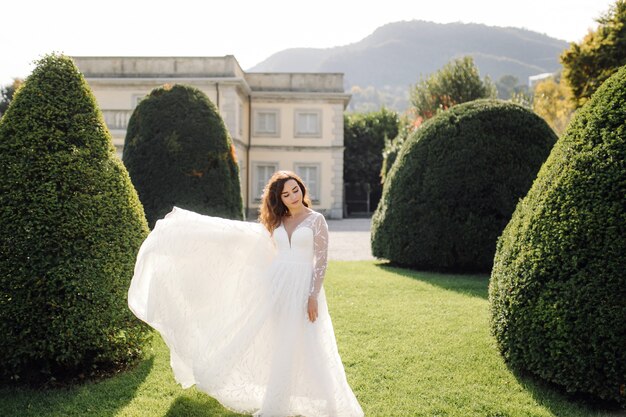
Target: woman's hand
{"points": [[312, 309]]}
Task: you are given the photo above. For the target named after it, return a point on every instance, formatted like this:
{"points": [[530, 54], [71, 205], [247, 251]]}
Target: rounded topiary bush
{"points": [[71, 227], [558, 285], [455, 184], [178, 153]]}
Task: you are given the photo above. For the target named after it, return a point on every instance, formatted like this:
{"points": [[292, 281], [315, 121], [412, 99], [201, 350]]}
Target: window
{"points": [[262, 174], [310, 175], [308, 123], [266, 122]]}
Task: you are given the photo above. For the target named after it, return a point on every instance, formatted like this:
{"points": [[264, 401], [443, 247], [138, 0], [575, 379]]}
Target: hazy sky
{"points": [[251, 30]]}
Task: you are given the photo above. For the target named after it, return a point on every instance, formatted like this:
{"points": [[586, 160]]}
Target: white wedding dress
{"points": [[230, 302]]}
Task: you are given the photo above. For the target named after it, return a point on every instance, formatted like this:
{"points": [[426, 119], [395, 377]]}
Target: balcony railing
{"points": [[117, 119]]}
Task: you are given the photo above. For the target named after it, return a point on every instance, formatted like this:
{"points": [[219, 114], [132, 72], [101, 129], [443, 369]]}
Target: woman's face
{"points": [[291, 195]]}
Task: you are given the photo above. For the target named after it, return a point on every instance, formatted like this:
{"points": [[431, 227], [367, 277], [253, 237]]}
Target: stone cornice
{"points": [[151, 82], [273, 96], [295, 148], [118, 72], [280, 96], [159, 66]]}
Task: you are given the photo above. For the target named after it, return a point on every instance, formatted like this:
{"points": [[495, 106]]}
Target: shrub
{"points": [[71, 227], [558, 288], [178, 153], [393, 145], [455, 184]]}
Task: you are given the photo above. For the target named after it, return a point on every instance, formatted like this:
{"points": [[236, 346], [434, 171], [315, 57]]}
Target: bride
{"points": [[242, 308]]}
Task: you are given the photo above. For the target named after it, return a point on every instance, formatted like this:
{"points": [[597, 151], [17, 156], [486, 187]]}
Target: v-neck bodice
{"points": [[307, 246], [301, 223]]}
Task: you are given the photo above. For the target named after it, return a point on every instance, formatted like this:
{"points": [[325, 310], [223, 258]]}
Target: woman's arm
{"points": [[320, 248]]}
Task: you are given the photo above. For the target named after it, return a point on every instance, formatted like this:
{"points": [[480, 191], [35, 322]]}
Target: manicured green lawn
{"points": [[413, 344]]}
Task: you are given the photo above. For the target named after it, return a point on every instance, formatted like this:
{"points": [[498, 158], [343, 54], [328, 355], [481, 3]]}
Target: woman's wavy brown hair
{"points": [[272, 207]]}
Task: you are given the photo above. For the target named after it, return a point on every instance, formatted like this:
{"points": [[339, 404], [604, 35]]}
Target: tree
{"points": [[553, 101], [506, 86], [72, 225], [372, 99], [600, 54], [457, 82], [364, 140], [6, 94], [558, 288], [455, 184], [178, 153]]}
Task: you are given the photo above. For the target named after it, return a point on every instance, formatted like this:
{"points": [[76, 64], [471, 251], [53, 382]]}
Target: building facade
{"points": [[278, 121]]}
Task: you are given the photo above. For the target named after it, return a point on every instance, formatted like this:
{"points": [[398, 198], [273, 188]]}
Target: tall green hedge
{"points": [[71, 227], [364, 139], [455, 184], [558, 285], [178, 153]]}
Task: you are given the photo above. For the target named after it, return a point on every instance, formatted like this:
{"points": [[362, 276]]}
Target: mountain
{"points": [[385, 64]]}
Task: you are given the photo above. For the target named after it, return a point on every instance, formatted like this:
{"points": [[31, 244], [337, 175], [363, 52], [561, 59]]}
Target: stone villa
{"points": [[291, 121]]}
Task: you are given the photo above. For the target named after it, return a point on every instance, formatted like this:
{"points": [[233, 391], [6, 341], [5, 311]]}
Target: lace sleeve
{"points": [[320, 248]]}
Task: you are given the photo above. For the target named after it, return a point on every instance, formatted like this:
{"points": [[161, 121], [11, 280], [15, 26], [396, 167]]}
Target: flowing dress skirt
{"points": [[232, 310]]}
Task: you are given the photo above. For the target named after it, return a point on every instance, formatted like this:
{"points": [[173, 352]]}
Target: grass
{"points": [[413, 344]]}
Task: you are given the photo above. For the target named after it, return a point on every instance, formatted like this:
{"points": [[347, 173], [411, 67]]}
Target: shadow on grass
{"points": [[199, 407], [549, 395], [97, 398], [564, 404], [472, 285]]}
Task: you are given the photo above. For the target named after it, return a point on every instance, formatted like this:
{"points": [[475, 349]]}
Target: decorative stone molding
{"points": [[117, 119], [338, 126], [158, 67], [336, 211]]}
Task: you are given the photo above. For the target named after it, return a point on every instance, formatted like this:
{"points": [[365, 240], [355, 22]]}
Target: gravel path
{"points": [[349, 240]]}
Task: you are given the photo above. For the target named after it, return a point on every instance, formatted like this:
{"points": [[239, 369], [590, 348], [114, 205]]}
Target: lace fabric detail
{"points": [[320, 253], [317, 223]]}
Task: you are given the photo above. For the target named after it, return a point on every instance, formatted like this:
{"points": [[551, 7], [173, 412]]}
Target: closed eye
{"points": [[293, 190]]}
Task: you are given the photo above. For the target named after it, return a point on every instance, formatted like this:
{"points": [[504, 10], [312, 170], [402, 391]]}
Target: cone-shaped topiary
{"points": [[178, 153], [455, 184], [558, 285], [71, 227]]}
